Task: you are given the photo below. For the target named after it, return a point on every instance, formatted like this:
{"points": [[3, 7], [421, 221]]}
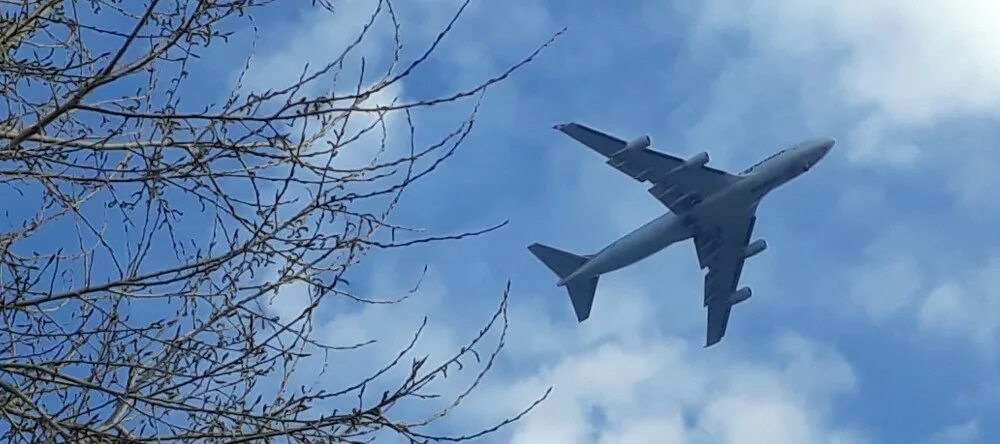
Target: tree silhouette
{"points": [[145, 239]]}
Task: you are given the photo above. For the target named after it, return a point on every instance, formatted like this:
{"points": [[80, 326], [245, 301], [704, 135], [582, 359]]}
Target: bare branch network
{"points": [[144, 238]]}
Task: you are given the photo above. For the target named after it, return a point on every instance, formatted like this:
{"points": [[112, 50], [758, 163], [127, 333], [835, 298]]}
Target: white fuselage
{"points": [[752, 185]]}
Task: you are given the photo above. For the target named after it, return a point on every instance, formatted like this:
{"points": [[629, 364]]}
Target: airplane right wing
{"points": [[677, 183], [723, 246]]}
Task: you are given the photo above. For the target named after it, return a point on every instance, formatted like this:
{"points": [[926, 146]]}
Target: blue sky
{"points": [[874, 317]]}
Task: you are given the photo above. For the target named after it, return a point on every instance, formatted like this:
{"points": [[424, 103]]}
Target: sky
{"points": [[875, 317]]}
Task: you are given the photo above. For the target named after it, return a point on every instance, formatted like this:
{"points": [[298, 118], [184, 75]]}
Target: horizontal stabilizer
{"points": [[560, 262]]}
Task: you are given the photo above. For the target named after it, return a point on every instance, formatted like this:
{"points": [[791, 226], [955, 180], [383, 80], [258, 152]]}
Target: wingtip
{"points": [[560, 126]]}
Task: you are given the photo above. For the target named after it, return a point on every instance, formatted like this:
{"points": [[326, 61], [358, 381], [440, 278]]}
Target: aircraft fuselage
{"points": [[658, 234]]}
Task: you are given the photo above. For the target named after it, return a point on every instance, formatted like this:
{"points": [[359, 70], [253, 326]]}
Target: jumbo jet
{"points": [[714, 208]]}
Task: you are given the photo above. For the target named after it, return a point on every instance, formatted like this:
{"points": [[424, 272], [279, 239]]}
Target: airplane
{"points": [[715, 208]]}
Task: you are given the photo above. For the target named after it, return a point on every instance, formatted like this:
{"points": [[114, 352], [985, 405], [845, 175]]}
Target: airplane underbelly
{"points": [[721, 204], [639, 244]]}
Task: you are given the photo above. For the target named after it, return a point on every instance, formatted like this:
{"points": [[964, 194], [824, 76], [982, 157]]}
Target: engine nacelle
{"points": [[754, 248], [638, 143], [698, 160], [740, 296]]}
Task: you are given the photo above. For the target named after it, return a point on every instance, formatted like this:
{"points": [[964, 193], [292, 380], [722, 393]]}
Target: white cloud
{"points": [[861, 201], [890, 278], [894, 55], [904, 68], [944, 309], [313, 41], [495, 46], [886, 75], [662, 390], [965, 307], [873, 141], [884, 287], [974, 179], [393, 325], [318, 38], [646, 429], [964, 433], [618, 379], [339, 322], [614, 196], [940, 296], [290, 299]]}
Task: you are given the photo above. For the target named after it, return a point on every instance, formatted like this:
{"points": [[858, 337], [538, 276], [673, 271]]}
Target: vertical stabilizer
{"points": [[581, 294]]}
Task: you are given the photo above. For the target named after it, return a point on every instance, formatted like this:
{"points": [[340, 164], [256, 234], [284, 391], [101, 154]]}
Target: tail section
{"points": [[560, 262], [581, 293], [563, 264]]}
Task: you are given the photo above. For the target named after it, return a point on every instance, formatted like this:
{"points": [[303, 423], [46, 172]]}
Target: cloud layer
{"points": [[881, 263]]}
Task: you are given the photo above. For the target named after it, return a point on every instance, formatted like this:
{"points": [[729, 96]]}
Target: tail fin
{"points": [[560, 262], [581, 291]]}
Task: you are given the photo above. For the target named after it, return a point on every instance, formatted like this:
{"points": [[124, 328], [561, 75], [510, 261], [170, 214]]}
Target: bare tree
{"points": [[145, 234]]}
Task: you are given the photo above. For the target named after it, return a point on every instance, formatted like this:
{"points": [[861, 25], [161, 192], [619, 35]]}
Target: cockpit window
{"points": [[762, 162]]}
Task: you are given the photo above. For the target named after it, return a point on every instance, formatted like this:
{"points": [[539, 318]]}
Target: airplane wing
{"points": [[677, 183], [722, 249], [718, 319]]}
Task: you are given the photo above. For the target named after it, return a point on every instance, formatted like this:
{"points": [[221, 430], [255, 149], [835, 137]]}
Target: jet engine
{"points": [[740, 295], [638, 143], [698, 160], [754, 248]]}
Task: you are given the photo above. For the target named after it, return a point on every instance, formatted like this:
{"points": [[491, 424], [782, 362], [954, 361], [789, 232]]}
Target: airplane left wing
{"points": [[723, 248], [677, 183]]}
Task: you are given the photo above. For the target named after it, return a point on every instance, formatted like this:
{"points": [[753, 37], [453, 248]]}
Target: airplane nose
{"points": [[830, 143], [824, 147]]}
